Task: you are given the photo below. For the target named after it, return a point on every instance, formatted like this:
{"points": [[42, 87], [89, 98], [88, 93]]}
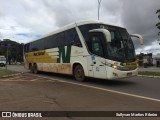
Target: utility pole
{"points": [[99, 3], [7, 57]]}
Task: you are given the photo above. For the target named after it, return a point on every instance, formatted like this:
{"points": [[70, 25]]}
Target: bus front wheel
{"points": [[79, 73]]}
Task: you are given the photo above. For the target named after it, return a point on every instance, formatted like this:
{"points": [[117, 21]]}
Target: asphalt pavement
{"points": [[56, 92], [27, 92]]}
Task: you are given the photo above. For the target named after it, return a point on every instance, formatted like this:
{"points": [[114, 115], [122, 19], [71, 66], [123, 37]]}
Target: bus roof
{"points": [[83, 22], [72, 25]]}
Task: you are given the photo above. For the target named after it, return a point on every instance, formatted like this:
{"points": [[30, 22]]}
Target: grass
{"points": [[4, 72], [149, 73]]}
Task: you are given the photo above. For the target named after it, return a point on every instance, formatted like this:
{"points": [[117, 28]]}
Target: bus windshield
{"points": [[121, 47]]}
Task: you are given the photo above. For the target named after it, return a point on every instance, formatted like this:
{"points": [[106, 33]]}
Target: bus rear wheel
{"points": [[79, 73], [35, 70], [31, 68]]}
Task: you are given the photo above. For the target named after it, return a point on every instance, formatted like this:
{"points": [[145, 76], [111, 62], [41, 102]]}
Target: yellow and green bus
{"points": [[84, 49]]}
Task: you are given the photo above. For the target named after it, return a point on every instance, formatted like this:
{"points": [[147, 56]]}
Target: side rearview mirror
{"points": [[138, 36], [106, 33]]}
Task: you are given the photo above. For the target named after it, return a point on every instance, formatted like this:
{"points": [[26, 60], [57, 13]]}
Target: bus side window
{"points": [[72, 38], [27, 47], [96, 46], [60, 39]]}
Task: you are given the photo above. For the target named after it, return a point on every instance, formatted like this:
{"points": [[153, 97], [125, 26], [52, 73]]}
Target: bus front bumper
{"points": [[115, 74]]}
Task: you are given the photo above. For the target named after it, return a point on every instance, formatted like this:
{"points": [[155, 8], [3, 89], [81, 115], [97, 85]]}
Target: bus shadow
{"points": [[102, 82], [116, 82], [57, 75]]}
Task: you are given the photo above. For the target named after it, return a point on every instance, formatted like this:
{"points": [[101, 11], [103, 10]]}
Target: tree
{"points": [[15, 50], [140, 56], [158, 24]]}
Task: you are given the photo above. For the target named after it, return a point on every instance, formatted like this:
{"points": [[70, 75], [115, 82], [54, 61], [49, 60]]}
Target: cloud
{"points": [[139, 16], [68, 11], [25, 16], [39, 17]]}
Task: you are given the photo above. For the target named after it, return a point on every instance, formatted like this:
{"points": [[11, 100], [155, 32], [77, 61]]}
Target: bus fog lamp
{"points": [[115, 74]]}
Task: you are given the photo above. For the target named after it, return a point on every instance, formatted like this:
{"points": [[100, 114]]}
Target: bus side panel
{"points": [[78, 56], [51, 60], [55, 67]]}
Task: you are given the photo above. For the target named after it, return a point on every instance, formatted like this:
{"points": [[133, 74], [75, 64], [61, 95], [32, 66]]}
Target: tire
{"points": [[79, 73], [31, 68], [35, 70]]}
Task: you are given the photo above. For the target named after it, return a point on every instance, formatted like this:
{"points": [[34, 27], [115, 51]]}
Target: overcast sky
{"points": [[26, 20]]}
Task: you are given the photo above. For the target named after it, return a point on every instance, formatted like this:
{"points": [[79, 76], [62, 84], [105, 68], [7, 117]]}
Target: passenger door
{"points": [[97, 60]]}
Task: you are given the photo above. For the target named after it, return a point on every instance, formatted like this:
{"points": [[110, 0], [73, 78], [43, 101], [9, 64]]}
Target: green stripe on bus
{"points": [[64, 55]]}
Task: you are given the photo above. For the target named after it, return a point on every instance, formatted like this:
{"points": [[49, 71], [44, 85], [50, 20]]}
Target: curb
{"points": [[148, 76]]}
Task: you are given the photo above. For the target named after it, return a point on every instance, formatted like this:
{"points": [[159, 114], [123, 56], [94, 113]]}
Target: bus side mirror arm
{"points": [[107, 35], [105, 32], [138, 36]]}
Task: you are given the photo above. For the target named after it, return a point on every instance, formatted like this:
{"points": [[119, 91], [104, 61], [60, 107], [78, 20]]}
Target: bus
{"points": [[84, 49]]}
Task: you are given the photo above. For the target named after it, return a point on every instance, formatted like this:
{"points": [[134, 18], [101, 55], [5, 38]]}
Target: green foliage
{"points": [[4, 72], [149, 73], [15, 50], [140, 56], [157, 11]]}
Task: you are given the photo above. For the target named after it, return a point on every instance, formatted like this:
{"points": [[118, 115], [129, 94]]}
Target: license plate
{"points": [[129, 74]]}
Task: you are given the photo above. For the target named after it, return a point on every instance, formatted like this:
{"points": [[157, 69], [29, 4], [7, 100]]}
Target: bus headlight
{"points": [[115, 66], [123, 68]]}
